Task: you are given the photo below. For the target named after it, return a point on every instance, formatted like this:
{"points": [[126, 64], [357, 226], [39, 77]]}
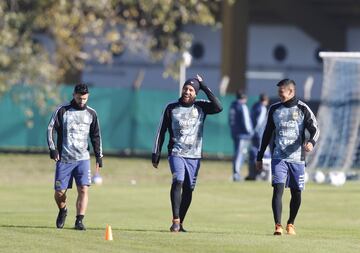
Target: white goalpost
{"points": [[339, 114]]}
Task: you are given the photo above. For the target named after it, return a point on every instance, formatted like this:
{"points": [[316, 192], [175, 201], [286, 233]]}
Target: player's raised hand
{"points": [[201, 81]]}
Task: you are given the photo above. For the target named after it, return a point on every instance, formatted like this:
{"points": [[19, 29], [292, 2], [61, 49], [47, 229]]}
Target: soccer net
{"points": [[339, 114]]}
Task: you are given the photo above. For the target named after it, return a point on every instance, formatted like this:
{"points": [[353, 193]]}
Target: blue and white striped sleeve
{"points": [[53, 124]]}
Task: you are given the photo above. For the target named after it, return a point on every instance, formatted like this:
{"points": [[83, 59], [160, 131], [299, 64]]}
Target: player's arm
{"points": [[269, 129], [312, 126], [247, 120], [160, 137], [51, 130], [95, 137], [214, 106], [259, 118]]}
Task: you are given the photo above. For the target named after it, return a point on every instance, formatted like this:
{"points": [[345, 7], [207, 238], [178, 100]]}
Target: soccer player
{"points": [[73, 123], [184, 120], [287, 121], [241, 132]]}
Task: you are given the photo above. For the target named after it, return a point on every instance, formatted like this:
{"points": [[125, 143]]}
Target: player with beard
{"points": [[73, 123], [184, 120]]}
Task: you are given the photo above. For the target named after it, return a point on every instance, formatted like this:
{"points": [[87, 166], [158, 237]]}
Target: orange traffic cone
{"points": [[108, 233]]}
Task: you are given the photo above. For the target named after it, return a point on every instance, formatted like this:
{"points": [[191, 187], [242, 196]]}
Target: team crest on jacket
{"points": [[194, 112], [87, 119], [295, 115]]}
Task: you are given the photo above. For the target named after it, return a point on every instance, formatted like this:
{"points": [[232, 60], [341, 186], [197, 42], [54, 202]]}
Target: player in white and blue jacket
{"points": [[286, 124], [241, 132], [184, 120], [73, 124]]}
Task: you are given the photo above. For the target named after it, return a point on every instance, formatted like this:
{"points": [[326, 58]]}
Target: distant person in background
{"points": [[184, 120], [258, 119], [73, 124], [287, 121], [241, 132]]}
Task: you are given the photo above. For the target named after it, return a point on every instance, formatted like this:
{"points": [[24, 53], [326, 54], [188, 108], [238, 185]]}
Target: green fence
{"points": [[129, 120]]}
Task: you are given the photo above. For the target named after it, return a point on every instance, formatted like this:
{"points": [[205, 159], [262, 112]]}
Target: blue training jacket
{"points": [[240, 121]]}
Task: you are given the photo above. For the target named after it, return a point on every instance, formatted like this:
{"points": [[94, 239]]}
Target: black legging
{"points": [[278, 190], [185, 201], [175, 196], [277, 203], [181, 196], [294, 205]]}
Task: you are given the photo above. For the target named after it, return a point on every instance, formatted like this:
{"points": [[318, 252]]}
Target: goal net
{"points": [[339, 113]]}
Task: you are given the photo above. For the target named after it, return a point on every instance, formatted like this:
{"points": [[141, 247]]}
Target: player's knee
{"points": [[295, 192], [178, 183], [188, 188], [60, 194], [82, 189]]}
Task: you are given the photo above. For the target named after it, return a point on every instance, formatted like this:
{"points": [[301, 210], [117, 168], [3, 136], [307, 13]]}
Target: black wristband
{"points": [[99, 161], [54, 154]]}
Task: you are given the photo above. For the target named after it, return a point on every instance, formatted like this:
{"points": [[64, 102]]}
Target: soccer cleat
{"points": [[278, 229], [290, 229], [60, 220], [79, 225], [175, 227], [182, 228], [237, 178], [248, 178]]}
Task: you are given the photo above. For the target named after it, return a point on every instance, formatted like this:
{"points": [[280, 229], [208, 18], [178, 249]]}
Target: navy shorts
{"points": [[180, 165], [288, 173], [65, 172]]}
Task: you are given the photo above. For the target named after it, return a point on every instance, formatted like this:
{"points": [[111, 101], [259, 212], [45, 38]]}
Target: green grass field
{"points": [[224, 216]]}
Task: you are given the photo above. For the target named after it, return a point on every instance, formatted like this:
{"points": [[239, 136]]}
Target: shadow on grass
{"points": [[23, 226], [89, 228], [126, 230]]}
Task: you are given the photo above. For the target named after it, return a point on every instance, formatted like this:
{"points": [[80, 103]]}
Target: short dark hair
{"points": [[263, 97], [286, 82], [81, 88], [240, 94]]}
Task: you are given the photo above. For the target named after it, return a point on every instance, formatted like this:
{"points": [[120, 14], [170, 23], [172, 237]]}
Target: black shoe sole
{"points": [[80, 229]]}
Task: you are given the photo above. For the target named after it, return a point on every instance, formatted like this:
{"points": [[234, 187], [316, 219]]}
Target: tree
{"points": [[153, 27], [22, 60]]}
